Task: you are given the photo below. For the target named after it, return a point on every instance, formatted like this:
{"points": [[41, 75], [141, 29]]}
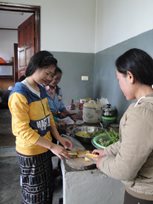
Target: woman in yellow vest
{"points": [[33, 126]]}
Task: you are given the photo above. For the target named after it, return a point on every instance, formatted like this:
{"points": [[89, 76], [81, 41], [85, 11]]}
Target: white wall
{"points": [[70, 25], [66, 25], [7, 38], [119, 20]]}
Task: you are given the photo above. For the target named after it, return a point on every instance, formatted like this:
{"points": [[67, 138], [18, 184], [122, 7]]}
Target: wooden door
{"points": [[15, 62], [26, 44]]}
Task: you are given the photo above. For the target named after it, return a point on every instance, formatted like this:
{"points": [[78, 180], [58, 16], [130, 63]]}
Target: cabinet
{"points": [[6, 70]]}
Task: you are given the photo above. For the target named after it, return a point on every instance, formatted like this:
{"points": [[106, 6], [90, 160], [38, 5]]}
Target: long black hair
{"points": [[139, 63], [40, 60]]}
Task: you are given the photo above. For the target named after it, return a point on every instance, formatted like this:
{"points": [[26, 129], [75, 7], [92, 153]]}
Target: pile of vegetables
{"points": [[106, 138]]}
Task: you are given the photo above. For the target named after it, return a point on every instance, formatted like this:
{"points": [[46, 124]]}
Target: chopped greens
{"points": [[105, 138]]}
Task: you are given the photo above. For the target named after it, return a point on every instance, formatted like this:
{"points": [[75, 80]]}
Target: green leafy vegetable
{"points": [[106, 138]]}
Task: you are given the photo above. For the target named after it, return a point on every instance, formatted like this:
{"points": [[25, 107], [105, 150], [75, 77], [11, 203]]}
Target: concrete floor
{"points": [[6, 137], [9, 179], [9, 169]]}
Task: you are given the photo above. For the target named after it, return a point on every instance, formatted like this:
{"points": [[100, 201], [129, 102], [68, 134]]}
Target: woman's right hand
{"points": [[99, 152], [59, 151]]}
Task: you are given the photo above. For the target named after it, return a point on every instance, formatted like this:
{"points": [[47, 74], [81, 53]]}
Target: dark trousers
{"points": [[128, 199]]}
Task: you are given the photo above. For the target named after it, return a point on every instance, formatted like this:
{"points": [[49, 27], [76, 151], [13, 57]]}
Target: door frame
{"points": [[29, 9]]}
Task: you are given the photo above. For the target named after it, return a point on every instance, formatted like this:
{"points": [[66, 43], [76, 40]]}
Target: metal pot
{"points": [[109, 111], [85, 133], [109, 115]]}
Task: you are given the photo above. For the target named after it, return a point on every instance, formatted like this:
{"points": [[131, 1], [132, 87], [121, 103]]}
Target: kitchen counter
{"points": [[89, 186]]}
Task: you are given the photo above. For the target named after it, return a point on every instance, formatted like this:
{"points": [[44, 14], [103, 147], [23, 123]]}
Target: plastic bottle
{"points": [[72, 105]]}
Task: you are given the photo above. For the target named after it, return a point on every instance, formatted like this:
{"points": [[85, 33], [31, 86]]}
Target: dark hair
{"points": [[40, 60], [21, 78], [58, 70], [139, 63]]}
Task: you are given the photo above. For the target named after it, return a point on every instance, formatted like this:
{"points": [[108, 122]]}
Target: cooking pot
{"points": [[108, 110], [92, 112], [85, 133], [109, 115]]}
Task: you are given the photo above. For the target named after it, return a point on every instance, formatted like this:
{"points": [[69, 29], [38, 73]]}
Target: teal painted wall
{"points": [[105, 83], [100, 68], [74, 65]]}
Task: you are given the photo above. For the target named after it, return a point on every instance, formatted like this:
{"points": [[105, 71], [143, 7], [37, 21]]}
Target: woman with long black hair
{"points": [[131, 158]]}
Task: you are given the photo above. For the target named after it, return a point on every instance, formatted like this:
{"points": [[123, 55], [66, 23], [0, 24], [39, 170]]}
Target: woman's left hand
{"points": [[66, 143]]}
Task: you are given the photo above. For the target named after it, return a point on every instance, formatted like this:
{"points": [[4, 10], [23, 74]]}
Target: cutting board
{"points": [[80, 164]]}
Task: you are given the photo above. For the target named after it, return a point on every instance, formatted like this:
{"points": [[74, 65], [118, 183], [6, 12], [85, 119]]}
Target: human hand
{"points": [[66, 143], [101, 154], [59, 151]]}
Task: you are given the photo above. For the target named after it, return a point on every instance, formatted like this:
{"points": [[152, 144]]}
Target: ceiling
{"points": [[11, 19]]}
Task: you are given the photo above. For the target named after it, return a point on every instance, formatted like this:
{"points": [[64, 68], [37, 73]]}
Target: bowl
{"points": [[85, 133], [106, 138], [101, 141]]}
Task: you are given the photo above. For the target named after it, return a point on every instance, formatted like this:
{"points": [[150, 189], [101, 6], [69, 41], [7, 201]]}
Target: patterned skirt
{"points": [[36, 178]]}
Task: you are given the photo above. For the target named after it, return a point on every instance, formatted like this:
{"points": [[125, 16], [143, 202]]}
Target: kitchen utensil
{"points": [[85, 133], [80, 164], [109, 111], [109, 115], [104, 139], [96, 141], [78, 159], [107, 120]]}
